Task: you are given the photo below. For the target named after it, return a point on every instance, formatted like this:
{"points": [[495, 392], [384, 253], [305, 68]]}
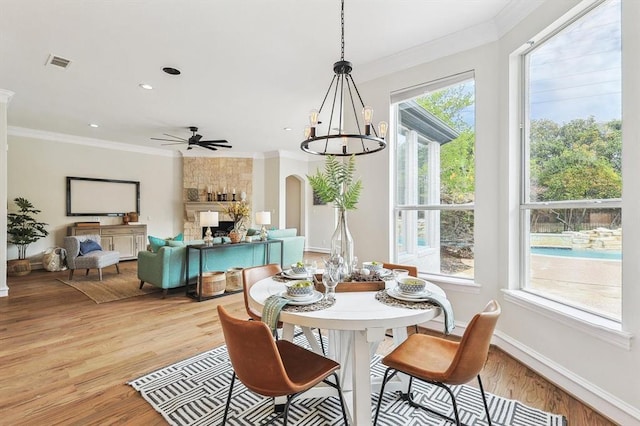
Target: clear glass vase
{"points": [[342, 241]]}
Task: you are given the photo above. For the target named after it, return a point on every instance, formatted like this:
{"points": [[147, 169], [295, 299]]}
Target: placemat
{"points": [[383, 297], [322, 304]]}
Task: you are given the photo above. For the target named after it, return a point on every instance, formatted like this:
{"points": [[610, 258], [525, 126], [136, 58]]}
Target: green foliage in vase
{"points": [[22, 227], [336, 183]]}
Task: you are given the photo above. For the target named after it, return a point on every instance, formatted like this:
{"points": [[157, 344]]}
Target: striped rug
{"points": [[194, 392]]}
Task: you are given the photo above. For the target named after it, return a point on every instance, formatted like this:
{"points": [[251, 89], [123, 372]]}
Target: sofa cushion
{"points": [[156, 242], [275, 234], [87, 246]]}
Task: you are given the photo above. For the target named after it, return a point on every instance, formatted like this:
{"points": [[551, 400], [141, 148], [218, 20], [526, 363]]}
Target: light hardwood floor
{"points": [[66, 360]]}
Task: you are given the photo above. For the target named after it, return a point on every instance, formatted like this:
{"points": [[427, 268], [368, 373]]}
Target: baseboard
{"points": [[600, 400]]}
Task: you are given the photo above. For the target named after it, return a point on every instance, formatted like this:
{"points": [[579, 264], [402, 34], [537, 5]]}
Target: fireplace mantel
{"points": [[192, 208]]}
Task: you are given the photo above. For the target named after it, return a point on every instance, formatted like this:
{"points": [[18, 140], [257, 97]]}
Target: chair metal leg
{"points": [[385, 379], [99, 273], [484, 399], [409, 398], [141, 284], [340, 397], [86, 273], [226, 408], [117, 268]]}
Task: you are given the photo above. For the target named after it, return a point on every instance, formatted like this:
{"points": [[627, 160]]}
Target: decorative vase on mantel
{"points": [[342, 241]]}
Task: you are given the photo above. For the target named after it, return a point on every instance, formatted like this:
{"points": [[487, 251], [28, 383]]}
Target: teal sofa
{"points": [[166, 268]]}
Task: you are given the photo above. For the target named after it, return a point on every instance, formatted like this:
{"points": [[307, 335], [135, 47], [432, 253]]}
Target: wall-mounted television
{"points": [[102, 197]]}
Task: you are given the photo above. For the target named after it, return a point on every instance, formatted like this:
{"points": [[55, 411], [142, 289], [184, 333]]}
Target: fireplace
{"points": [[222, 230]]}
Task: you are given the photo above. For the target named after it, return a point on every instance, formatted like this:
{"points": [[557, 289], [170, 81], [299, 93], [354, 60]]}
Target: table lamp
{"points": [[208, 219], [263, 218]]}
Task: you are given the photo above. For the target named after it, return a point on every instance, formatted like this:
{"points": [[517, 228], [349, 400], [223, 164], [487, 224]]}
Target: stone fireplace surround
{"points": [[216, 173]]}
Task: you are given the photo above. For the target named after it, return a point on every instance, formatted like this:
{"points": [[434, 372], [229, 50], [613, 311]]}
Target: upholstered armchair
{"points": [[85, 252]]}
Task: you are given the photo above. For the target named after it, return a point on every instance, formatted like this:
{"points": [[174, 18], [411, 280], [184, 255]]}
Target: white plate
{"points": [[316, 296], [396, 294], [297, 298], [290, 274]]}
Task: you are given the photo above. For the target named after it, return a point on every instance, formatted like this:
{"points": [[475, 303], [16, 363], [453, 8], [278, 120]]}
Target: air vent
{"points": [[58, 61]]}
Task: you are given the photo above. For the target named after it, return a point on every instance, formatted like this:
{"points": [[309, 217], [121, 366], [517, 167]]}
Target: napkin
{"points": [[447, 309], [271, 311]]}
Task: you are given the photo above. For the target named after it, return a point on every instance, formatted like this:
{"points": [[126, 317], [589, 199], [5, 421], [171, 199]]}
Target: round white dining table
{"points": [[357, 323]]}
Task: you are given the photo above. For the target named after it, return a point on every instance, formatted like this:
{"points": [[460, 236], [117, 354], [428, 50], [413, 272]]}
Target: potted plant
{"points": [[22, 230], [337, 185]]}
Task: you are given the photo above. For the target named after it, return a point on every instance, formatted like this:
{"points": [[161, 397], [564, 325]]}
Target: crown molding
{"points": [[478, 35], [79, 140], [6, 95]]}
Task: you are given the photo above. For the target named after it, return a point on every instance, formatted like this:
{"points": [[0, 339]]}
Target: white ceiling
{"points": [[250, 68]]}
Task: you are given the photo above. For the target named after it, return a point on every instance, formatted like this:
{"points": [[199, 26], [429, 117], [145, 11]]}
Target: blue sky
{"points": [[576, 73]]}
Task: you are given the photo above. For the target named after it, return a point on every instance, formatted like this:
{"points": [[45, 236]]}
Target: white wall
{"points": [[593, 363], [37, 169]]}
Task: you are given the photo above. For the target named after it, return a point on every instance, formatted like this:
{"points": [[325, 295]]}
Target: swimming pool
{"points": [[584, 253]]}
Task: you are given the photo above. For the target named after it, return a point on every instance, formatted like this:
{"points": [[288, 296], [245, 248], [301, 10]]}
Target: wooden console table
{"points": [[194, 290], [128, 240]]}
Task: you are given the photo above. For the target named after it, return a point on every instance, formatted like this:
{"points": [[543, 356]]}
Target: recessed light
{"points": [[94, 125], [145, 86], [288, 129], [171, 70]]}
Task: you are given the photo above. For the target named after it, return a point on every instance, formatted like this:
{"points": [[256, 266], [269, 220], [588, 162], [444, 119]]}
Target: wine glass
{"points": [[310, 266], [330, 279]]}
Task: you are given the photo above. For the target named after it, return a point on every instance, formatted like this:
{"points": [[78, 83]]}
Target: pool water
{"points": [[589, 254]]}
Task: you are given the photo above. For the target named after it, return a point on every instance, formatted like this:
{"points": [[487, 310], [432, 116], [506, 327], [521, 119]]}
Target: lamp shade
{"points": [[263, 218], [209, 218]]}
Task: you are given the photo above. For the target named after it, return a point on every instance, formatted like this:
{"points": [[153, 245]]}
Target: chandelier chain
{"points": [[342, 26]]}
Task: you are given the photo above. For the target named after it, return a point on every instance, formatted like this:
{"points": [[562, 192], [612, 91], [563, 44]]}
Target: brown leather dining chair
{"points": [[443, 362], [273, 368], [413, 271], [252, 275]]}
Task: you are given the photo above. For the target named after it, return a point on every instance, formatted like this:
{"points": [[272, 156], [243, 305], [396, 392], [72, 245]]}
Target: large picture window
{"points": [[571, 217], [435, 176]]}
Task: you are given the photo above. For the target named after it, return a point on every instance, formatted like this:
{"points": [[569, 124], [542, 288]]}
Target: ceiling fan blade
{"points": [[215, 141], [212, 148], [206, 145], [168, 140], [177, 137], [175, 143]]}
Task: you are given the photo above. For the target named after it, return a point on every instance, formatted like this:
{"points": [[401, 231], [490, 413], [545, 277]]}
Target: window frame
{"points": [[396, 98], [525, 206]]}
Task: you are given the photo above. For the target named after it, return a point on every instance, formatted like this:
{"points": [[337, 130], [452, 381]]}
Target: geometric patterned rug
{"points": [[194, 392]]}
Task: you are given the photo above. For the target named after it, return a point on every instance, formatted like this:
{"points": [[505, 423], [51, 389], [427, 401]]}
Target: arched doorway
{"points": [[294, 215]]}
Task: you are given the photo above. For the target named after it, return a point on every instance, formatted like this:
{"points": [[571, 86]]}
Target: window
{"points": [[435, 176], [571, 217]]}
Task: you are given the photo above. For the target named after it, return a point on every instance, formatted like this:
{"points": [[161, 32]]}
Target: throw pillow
{"points": [[174, 243], [156, 243], [179, 237], [87, 246]]}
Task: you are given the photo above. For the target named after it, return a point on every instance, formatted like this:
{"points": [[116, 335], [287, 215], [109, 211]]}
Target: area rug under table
{"points": [[194, 392], [113, 286]]}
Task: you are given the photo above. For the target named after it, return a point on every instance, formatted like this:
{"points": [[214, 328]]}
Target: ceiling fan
{"points": [[195, 139]]}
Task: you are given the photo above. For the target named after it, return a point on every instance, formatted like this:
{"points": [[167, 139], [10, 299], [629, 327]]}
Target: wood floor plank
{"points": [[66, 360]]}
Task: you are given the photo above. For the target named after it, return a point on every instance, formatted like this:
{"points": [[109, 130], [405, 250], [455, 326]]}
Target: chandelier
{"points": [[341, 143]]}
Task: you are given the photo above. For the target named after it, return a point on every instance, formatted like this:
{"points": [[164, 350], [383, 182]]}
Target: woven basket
{"points": [[213, 283], [234, 279]]}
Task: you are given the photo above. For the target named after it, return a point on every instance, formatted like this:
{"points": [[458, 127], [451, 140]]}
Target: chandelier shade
{"points": [[363, 138]]}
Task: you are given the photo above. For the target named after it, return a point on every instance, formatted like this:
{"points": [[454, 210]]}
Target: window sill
{"points": [[604, 329], [463, 285]]}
